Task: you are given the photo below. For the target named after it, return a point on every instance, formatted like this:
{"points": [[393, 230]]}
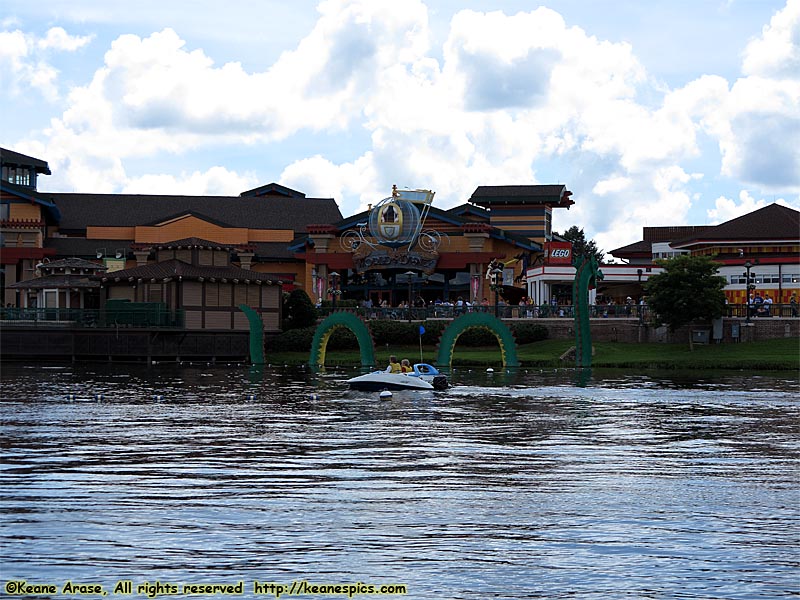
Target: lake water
{"points": [[508, 485]]}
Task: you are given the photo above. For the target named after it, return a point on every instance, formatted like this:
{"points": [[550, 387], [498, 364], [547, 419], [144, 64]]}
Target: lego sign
{"points": [[558, 253]]}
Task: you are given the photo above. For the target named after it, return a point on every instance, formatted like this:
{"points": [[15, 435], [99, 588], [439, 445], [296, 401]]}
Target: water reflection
{"points": [[517, 483]]}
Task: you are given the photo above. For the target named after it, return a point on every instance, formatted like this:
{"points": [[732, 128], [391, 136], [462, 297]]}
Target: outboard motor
{"points": [[439, 382]]}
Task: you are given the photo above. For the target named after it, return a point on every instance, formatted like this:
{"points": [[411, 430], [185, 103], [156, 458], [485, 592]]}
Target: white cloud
{"points": [[352, 184], [25, 59], [726, 209], [612, 185], [758, 121], [777, 52], [510, 96], [57, 38], [216, 181]]}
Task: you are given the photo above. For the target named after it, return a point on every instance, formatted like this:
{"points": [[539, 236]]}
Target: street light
{"points": [[409, 276], [334, 276], [496, 273], [747, 265]]}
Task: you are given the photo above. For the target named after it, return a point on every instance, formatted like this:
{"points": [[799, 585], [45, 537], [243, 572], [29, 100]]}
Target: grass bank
{"points": [[779, 354]]}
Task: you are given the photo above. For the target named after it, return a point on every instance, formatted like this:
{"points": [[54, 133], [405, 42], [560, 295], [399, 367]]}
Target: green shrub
{"points": [[342, 339], [477, 336], [394, 333], [526, 333], [293, 340], [298, 311]]}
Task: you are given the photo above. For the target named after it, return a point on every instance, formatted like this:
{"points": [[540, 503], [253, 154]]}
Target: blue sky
{"points": [[651, 112]]}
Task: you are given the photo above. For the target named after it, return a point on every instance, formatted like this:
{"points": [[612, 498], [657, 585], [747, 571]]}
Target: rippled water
{"points": [[520, 485]]}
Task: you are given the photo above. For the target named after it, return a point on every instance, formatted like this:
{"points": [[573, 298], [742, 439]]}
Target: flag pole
{"points": [[421, 331]]}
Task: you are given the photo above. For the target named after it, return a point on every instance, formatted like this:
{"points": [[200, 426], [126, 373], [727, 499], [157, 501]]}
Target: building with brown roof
{"points": [[768, 239], [122, 232]]}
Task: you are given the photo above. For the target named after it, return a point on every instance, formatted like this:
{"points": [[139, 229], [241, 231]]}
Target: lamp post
{"points": [[409, 277], [747, 265], [496, 273], [334, 277]]}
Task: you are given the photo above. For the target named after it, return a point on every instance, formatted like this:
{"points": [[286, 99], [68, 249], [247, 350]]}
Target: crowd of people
{"points": [[758, 306]]}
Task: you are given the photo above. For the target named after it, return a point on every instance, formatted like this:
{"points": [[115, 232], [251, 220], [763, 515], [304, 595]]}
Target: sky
{"points": [[652, 112]]}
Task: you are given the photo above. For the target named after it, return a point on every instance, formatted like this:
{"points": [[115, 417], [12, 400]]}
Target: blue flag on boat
{"points": [[421, 330]]}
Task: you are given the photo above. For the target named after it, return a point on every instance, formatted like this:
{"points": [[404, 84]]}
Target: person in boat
{"points": [[394, 366], [405, 366]]}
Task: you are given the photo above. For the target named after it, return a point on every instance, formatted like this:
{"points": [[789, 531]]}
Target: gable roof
{"points": [[182, 215], [470, 209], [639, 248], [774, 222], [486, 195], [191, 242], [58, 281], [274, 189], [176, 268], [128, 210], [11, 158]]}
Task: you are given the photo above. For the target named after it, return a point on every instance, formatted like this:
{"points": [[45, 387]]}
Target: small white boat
{"points": [[423, 377]]}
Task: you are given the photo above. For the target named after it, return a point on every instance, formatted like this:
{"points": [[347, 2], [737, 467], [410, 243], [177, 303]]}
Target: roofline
{"points": [[40, 165], [31, 196], [760, 241]]}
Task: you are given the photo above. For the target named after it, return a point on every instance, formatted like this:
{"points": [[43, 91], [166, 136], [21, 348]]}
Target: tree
{"points": [[582, 247], [298, 311], [687, 290]]}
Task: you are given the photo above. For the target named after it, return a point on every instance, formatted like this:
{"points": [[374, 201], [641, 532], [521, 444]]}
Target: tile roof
{"points": [[255, 212], [9, 157], [176, 268], [670, 233], [773, 222], [640, 247], [487, 195], [88, 248], [56, 282], [508, 191]]}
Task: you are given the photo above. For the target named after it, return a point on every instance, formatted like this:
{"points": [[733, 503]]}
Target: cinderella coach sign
{"points": [[368, 259], [394, 237]]}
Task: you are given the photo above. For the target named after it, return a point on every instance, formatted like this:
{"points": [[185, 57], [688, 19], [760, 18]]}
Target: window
{"points": [[5, 210], [17, 175], [548, 225], [51, 298], [154, 292]]}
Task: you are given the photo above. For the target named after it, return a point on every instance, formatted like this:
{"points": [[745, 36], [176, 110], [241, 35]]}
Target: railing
{"points": [[761, 310], [504, 311], [86, 317], [544, 311]]}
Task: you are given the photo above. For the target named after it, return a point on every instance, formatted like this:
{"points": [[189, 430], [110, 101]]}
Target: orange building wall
{"points": [[270, 235], [190, 227], [110, 233], [25, 212]]}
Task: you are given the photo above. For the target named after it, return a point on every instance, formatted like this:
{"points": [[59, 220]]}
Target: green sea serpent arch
{"points": [[508, 345], [333, 322], [256, 334], [587, 273]]}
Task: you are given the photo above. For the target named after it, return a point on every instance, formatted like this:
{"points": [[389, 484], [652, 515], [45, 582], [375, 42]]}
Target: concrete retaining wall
{"points": [[630, 331]]}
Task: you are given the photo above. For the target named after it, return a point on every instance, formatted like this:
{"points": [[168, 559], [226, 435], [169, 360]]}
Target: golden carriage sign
{"points": [[395, 236]]}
